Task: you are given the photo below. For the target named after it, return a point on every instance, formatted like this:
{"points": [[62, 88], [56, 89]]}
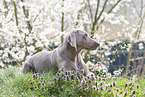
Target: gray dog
{"points": [[66, 55]]}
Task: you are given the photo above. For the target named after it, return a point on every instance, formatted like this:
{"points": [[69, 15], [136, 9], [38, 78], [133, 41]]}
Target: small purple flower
{"points": [[108, 90], [133, 91], [55, 79], [41, 77], [78, 85], [34, 75], [72, 71], [101, 88], [39, 83], [131, 83], [114, 83], [82, 71], [62, 74], [125, 93], [134, 96], [85, 78], [137, 86], [35, 86], [111, 85], [51, 83], [93, 87], [80, 88], [29, 80], [72, 76], [37, 76], [125, 85], [61, 69], [71, 90], [101, 83], [117, 89], [42, 83], [97, 89], [96, 83], [86, 89], [103, 79], [90, 80], [83, 82], [72, 86]]}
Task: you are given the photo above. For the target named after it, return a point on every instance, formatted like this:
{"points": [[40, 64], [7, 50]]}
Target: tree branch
{"points": [[90, 10], [26, 13], [95, 18], [15, 10], [109, 11]]}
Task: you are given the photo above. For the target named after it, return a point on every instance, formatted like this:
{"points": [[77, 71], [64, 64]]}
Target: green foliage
{"points": [[66, 83]]}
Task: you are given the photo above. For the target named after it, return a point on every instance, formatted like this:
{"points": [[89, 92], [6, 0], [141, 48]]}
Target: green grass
{"points": [[15, 84]]}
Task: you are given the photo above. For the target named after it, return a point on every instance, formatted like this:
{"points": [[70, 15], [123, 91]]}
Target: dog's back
{"points": [[40, 62]]}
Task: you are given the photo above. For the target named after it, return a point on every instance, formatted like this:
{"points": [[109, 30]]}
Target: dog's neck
{"points": [[69, 51]]}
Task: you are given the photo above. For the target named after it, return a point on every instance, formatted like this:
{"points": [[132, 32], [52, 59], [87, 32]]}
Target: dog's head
{"points": [[80, 39]]}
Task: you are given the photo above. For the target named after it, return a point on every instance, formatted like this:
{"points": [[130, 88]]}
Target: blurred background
{"points": [[30, 26]]}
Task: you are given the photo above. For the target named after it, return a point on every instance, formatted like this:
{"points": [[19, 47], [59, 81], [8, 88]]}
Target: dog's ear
{"points": [[72, 39]]}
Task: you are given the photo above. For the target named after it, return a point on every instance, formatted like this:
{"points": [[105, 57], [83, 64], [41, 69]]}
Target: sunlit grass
{"points": [[14, 83]]}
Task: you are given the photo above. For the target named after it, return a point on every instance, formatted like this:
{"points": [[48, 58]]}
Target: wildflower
{"points": [[51, 83], [96, 83], [62, 74], [72, 71], [134, 96], [131, 83], [125, 93], [71, 90], [37, 75], [85, 78], [111, 85], [133, 91], [29, 80], [101, 83], [114, 83], [72, 76], [61, 69], [39, 83], [42, 83], [94, 87], [108, 90], [97, 89], [41, 77], [34, 75], [83, 82], [57, 74], [55, 79], [86, 89], [103, 79], [35, 86], [90, 81], [72, 86], [101, 88], [82, 71], [80, 88], [44, 80], [117, 89], [125, 85], [78, 85], [137, 86]]}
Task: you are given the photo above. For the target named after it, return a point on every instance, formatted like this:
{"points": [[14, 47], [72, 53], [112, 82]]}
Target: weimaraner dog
{"points": [[66, 55]]}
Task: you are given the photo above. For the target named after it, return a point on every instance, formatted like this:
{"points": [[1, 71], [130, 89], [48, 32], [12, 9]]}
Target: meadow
{"points": [[13, 83]]}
